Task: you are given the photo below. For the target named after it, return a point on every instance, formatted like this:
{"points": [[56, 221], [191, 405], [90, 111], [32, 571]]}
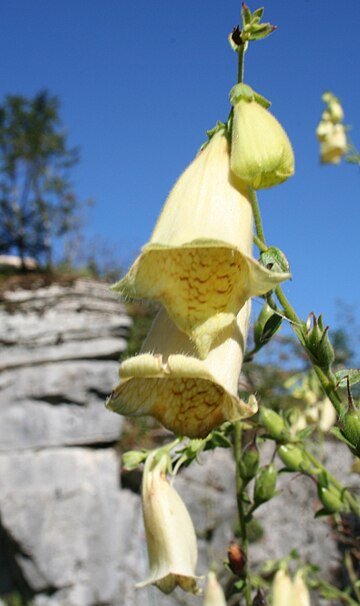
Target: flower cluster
{"points": [[199, 266], [331, 131]]}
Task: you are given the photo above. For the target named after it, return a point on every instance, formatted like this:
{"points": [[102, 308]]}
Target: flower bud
{"points": [[351, 428], [267, 324], [249, 462], [330, 497], [265, 484], [274, 424], [294, 458], [236, 558], [261, 153], [213, 593], [170, 534], [316, 342], [282, 589]]}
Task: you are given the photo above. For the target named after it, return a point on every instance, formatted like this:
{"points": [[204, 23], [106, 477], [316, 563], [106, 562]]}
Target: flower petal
{"points": [[187, 395]]}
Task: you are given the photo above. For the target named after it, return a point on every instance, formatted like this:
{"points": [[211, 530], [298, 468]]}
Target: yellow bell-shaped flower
{"points": [[199, 262], [170, 534], [188, 395], [261, 153]]}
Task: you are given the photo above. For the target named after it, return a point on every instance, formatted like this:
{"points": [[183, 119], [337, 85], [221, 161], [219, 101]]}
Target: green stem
{"points": [[257, 216], [260, 244], [240, 507], [241, 55]]}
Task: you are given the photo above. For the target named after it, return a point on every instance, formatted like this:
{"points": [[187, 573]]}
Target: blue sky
{"points": [[141, 82]]}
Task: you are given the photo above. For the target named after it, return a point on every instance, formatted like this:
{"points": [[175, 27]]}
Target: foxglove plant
{"points": [[199, 265]]}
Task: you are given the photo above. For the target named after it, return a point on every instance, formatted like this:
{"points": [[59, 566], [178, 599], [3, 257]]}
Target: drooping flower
{"points": [[213, 593], [170, 534], [198, 262], [261, 153], [188, 395]]}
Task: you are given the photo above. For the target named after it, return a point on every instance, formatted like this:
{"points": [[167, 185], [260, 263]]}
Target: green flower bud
{"points": [[314, 338], [261, 153], [274, 424], [294, 458], [330, 497], [265, 484], [249, 463], [267, 324], [351, 428], [133, 458]]}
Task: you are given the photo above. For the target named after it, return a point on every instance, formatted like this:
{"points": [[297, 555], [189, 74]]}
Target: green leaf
{"points": [[352, 373]]}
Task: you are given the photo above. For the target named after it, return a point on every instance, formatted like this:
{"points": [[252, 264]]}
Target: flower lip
{"points": [[187, 395]]}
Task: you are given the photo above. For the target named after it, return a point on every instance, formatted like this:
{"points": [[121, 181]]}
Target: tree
{"points": [[37, 202]]}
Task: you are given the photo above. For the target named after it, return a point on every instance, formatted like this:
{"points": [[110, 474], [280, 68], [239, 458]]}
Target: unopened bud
{"points": [[294, 458], [267, 324], [265, 484], [236, 558], [274, 424], [249, 462], [316, 341], [330, 497], [261, 153], [351, 428]]}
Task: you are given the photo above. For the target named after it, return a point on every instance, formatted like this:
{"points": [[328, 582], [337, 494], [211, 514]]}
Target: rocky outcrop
{"points": [[60, 502]]}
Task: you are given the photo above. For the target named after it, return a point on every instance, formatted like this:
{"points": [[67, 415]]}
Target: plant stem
{"points": [[240, 507], [257, 216], [241, 55], [326, 379]]}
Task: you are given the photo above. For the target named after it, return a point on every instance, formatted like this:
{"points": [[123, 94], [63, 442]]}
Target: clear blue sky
{"points": [[140, 83]]}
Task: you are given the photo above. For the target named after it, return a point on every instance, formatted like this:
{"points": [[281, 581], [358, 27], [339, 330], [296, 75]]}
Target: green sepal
{"points": [[267, 324], [339, 435], [274, 259], [245, 14], [132, 459], [257, 14], [244, 92]]}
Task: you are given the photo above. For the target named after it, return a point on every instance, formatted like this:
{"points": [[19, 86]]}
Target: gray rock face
{"points": [[61, 508]]}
